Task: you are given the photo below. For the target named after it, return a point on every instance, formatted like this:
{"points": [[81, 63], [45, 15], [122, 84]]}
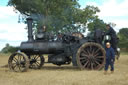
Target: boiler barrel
{"points": [[42, 47]]}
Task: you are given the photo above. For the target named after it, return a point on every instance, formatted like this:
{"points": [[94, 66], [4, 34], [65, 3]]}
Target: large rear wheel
{"points": [[91, 56]]}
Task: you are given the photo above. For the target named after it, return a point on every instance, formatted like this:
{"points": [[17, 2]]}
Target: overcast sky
{"points": [[12, 32]]}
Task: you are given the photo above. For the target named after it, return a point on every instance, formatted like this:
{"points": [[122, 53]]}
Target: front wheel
{"points": [[18, 62], [91, 56]]}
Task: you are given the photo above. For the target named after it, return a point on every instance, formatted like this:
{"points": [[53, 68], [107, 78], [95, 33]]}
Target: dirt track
{"points": [[65, 75]]}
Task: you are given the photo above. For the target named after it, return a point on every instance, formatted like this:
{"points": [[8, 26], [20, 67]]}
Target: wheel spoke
{"points": [[14, 59], [97, 63], [88, 52], [86, 64], [38, 60], [85, 55], [92, 66], [14, 65], [82, 58], [95, 53], [15, 68], [99, 57], [18, 58], [19, 67], [93, 50], [84, 52], [37, 64], [99, 60], [36, 57]]}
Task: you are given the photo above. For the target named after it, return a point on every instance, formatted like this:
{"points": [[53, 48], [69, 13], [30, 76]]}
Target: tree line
{"points": [[9, 49], [123, 36]]}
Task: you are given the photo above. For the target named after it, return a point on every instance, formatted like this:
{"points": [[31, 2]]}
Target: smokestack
{"points": [[30, 35]]}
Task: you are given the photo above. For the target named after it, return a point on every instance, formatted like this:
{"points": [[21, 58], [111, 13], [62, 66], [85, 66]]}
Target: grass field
{"points": [[64, 75]]}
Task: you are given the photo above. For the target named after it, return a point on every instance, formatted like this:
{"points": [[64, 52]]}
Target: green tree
{"points": [[57, 15], [9, 49], [97, 24], [123, 36]]}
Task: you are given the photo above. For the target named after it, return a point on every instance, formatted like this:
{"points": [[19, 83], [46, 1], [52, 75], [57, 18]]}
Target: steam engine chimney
{"points": [[30, 35]]}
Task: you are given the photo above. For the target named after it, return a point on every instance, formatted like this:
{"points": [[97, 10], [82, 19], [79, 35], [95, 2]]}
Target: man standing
{"points": [[110, 58], [112, 33]]}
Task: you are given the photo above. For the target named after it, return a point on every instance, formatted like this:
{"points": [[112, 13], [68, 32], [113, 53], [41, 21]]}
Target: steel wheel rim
{"points": [[91, 56], [35, 61], [18, 62]]}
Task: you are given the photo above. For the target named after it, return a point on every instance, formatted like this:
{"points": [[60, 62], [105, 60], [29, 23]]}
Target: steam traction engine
{"points": [[83, 52]]}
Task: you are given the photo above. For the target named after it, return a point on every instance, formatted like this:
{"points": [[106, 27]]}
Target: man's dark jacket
{"points": [[110, 54], [114, 39], [111, 32]]}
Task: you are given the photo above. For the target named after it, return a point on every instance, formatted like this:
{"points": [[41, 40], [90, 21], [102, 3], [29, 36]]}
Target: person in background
{"points": [[110, 58], [44, 28], [42, 33], [112, 33]]}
